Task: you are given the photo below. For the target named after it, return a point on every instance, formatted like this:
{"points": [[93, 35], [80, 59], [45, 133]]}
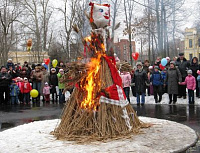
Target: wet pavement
{"points": [[11, 116]]}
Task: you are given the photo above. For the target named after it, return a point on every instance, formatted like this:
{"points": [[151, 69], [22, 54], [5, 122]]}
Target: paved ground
{"points": [[11, 116]]}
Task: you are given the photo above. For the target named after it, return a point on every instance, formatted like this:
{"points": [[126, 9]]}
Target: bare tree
{"points": [[9, 12]]}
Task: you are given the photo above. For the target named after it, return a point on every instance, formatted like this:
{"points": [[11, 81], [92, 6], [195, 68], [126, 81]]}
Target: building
{"points": [[30, 57], [192, 43], [122, 49]]}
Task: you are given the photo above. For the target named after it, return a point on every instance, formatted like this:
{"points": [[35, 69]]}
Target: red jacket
{"points": [[26, 88]]}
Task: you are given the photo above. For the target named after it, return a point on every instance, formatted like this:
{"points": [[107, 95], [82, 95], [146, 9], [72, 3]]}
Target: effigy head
{"points": [[100, 14]]}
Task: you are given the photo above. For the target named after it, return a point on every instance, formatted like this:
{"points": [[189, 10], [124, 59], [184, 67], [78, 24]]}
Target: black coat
{"points": [[183, 66], [53, 82], [194, 67], [5, 79], [140, 79]]}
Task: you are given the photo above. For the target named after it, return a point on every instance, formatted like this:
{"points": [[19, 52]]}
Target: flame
{"points": [[89, 101], [92, 83]]}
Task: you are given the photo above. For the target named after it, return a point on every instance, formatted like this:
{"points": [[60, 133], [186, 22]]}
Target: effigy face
{"points": [[100, 15]]}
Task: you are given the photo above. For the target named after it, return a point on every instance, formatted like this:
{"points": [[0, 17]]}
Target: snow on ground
{"points": [[165, 100], [164, 136]]}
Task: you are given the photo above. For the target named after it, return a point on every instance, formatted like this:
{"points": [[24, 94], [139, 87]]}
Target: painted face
{"points": [[100, 15]]}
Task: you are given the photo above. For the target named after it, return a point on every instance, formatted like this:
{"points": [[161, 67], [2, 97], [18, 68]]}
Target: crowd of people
{"points": [[173, 79], [17, 81]]}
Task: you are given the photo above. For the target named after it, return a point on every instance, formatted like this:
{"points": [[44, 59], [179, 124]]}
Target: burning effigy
{"points": [[98, 108]]}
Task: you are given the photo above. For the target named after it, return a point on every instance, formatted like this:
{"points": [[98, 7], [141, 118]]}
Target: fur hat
{"points": [[198, 72], [156, 67], [172, 62], [181, 54], [189, 71], [139, 63]]}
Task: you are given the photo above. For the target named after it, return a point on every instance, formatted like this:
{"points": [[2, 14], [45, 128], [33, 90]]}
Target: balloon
{"points": [[135, 56], [161, 67], [34, 93], [46, 66], [46, 61], [164, 62], [54, 63]]}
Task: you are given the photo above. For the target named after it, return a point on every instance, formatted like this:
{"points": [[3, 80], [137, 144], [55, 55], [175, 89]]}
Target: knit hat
{"points": [[46, 83], [156, 67], [172, 62], [53, 69], [198, 72], [61, 70], [189, 71], [181, 54], [25, 79], [138, 63], [150, 67], [167, 58]]}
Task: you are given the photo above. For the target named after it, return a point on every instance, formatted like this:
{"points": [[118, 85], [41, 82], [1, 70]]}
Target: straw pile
{"points": [[100, 121], [124, 66]]}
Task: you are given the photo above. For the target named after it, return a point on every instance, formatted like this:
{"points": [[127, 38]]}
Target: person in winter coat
{"points": [[10, 63], [126, 82], [24, 73], [164, 73], [46, 92], [194, 66], [198, 81], [182, 65], [156, 80], [45, 78], [173, 78], [12, 72], [61, 86], [5, 80], [53, 82], [190, 81], [140, 79], [14, 92], [36, 78], [149, 74], [26, 89], [20, 84]]}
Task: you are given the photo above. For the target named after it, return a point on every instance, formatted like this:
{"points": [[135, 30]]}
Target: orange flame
{"points": [[89, 102]]}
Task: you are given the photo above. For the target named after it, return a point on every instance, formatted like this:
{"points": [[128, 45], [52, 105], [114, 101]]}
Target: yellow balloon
{"points": [[34, 93], [54, 63]]}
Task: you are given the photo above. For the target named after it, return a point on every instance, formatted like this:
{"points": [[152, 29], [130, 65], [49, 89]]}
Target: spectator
{"points": [[26, 89], [61, 86], [5, 80], [194, 66], [10, 63], [149, 74], [126, 82], [164, 88], [53, 82], [172, 78], [20, 84], [140, 79], [168, 63], [36, 78], [24, 73], [45, 78], [12, 72], [190, 81], [198, 80], [182, 66], [156, 80], [46, 92], [14, 92], [28, 70], [146, 66]]}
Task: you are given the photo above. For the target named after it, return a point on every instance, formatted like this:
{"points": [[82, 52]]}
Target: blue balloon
{"points": [[46, 66], [164, 62]]}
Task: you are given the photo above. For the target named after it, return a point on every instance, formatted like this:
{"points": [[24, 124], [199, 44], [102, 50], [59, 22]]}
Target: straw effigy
{"points": [[92, 112]]}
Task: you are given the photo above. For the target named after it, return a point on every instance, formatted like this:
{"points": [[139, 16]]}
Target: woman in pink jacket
{"points": [[190, 81], [126, 82]]}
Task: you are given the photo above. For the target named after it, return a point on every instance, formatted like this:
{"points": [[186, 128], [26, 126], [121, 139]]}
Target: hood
{"points": [[196, 60]]}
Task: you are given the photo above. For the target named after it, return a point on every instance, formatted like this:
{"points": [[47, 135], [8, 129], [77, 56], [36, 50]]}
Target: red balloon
{"points": [[161, 67], [46, 61], [135, 56]]}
